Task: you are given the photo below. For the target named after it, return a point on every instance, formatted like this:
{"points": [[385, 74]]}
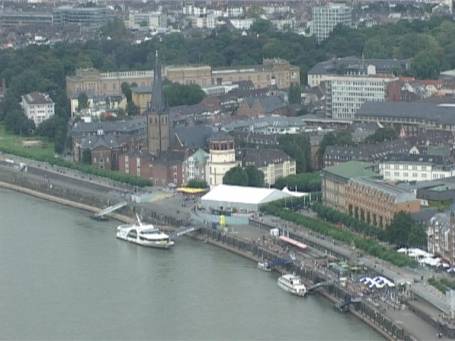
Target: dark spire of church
{"points": [[158, 104]]}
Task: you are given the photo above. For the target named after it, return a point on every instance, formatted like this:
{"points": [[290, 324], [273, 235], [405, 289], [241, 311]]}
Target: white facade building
{"points": [[271, 10], [38, 107], [97, 106], [325, 18], [242, 24], [272, 162], [221, 158], [234, 12], [194, 10], [207, 21], [345, 94], [415, 168], [194, 167]]}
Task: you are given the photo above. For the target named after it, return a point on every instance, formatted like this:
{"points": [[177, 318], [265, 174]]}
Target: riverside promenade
{"points": [[422, 314], [88, 198]]}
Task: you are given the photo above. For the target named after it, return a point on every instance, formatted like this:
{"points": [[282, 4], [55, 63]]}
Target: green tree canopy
{"points": [[426, 65], [295, 93], [82, 101], [262, 26], [179, 94], [298, 147], [86, 157], [126, 90], [18, 123], [303, 182], [382, 134], [255, 176], [236, 176], [196, 183], [404, 231], [114, 29], [248, 176]]}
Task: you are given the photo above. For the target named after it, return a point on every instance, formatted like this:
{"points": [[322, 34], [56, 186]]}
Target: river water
{"points": [[65, 276]]}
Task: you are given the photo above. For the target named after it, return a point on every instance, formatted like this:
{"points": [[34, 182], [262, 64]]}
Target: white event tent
{"points": [[241, 198]]}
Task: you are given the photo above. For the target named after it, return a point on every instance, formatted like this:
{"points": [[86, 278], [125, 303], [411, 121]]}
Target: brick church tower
{"points": [[157, 116]]}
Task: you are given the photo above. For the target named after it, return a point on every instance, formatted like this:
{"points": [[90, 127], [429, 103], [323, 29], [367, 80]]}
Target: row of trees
{"points": [[302, 182], [402, 232], [370, 246]]}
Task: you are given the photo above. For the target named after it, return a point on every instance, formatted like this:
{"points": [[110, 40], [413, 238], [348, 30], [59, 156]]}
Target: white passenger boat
{"points": [[145, 235], [293, 284]]}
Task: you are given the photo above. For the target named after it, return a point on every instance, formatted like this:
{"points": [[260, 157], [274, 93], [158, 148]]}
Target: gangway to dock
{"points": [[319, 285], [110, 209], [184, 230], [343, 306], [279, 262]]}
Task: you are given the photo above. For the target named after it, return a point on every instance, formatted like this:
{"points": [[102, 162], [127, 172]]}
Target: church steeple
{"points": [[157, 115], [158, 104]]}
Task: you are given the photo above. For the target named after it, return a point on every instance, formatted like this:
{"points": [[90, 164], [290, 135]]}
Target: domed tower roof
{"points": [[221, 137]]}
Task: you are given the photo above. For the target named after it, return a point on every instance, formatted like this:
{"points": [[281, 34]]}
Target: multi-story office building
{"points": [[355, 66], [147, 20], [15, 18], [346, 94], [325, 18], [414, 167], [37, 107], [84, 16]]}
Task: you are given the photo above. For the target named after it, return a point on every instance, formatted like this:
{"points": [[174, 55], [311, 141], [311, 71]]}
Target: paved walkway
{"points": [[419, 287]]}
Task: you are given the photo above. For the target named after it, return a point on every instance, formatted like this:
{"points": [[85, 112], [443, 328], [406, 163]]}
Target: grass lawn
{"points": [[29, 147]]}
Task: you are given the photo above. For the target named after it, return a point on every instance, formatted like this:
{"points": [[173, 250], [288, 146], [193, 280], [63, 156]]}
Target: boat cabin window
{"points": [[132, 234], [150, 231], [154, 240]]}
